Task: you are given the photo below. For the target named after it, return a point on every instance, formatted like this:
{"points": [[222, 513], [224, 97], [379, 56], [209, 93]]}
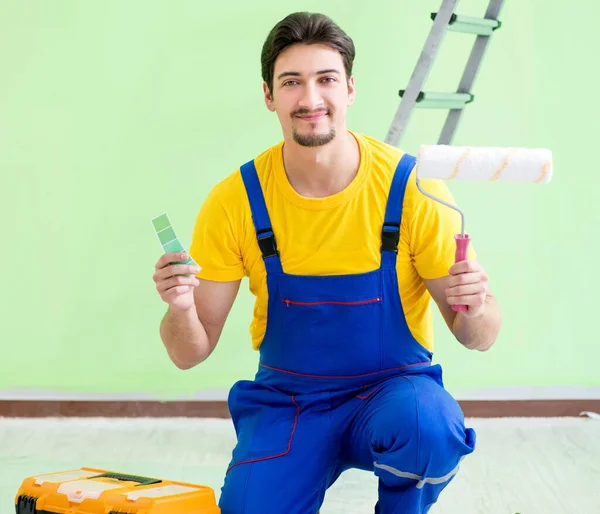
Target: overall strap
{"points": [[390, 233], [260, 216]]}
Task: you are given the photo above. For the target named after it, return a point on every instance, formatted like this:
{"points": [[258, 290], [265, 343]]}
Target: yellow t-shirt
{"points": [[339, 234]]}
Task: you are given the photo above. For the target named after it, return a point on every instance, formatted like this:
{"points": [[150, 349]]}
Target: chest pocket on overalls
{"points": [[340, 328]]}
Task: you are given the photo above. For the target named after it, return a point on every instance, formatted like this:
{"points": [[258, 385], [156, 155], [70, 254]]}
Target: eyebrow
{"points": [[298, 74]]}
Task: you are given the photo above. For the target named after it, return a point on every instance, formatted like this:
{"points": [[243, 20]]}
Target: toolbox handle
{"points": [[129, 478]]}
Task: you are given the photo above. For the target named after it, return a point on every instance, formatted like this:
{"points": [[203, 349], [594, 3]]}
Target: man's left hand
{"points": [[468, 285]]}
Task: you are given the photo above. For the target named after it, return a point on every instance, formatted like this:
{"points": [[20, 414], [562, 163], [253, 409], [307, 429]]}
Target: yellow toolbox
{"points": [[97, 491]]}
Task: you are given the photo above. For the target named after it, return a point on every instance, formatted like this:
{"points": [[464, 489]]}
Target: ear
{"points": [[351, 91], [268, 98]]}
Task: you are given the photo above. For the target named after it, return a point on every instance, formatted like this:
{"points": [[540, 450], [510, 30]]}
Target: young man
{"points": [[344, 255]]}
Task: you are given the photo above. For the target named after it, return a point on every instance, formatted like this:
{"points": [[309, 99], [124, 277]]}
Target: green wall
{"points": [[112, 112]]}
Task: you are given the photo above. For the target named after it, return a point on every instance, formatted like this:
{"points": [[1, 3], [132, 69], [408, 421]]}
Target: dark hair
{"points": [[306, 28]]}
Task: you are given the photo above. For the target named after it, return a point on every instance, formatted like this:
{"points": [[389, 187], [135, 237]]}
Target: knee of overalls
{"points": [[418, 432]]}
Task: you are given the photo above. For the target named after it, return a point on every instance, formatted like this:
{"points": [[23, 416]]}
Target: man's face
{"points": [[311, 93]]}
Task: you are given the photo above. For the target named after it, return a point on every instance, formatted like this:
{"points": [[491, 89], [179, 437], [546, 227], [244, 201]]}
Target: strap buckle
{"points": [[267, 243], [390, 237]]}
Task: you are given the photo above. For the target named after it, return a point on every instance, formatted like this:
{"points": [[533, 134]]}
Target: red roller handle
{"points": [[462, 249]]}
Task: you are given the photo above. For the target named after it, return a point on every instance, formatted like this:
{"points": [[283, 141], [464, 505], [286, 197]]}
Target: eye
{"points": [[329, 79], [289, 82]]}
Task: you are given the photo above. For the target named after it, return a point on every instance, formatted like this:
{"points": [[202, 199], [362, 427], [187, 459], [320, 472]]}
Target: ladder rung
{"points": [[469, 28], [469, 25], [486, 22], [441, 100]]}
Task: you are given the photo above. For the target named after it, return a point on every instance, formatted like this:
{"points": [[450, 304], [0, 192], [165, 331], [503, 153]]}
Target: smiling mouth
{"points": [[313, 117]]}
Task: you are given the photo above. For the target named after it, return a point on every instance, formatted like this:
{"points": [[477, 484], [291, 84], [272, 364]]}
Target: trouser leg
{"points": [[284, 457], [411, 433]]}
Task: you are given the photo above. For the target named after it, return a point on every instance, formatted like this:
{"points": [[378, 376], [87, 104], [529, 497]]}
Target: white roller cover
{"points": [[447, 162]]}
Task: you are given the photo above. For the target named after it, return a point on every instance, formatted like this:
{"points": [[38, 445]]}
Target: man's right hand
{"points": [[174, 287]]}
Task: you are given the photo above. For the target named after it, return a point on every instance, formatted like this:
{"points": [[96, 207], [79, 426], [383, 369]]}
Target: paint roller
{"points": [[482, 164]]}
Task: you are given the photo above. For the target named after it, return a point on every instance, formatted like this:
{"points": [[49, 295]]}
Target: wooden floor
{"points": [[521, 465]]}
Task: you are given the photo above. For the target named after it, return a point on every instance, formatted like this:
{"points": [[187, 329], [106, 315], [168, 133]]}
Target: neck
{"points": [[322, 171]]}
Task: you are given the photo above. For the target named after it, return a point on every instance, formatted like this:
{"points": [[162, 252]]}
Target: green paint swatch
{"points": [[168, 238]]}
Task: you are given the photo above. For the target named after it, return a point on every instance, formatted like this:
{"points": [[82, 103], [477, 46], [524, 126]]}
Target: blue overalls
{"points": [[341, 384]]}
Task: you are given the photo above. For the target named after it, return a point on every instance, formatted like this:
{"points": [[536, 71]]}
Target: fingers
{"points": [[468, 289], [168, 258], [175, 270], [165, 268], [470, 300], [468, 278], [174, 292], [467, 285], [175, 281], [468, 266], [475, 287]]}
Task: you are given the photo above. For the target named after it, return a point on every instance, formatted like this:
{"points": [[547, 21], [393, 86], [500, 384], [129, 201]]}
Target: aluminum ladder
{"points": [[414, 96]]}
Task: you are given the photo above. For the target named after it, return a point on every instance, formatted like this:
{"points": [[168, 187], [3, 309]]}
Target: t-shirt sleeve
{"points": [[433, 227], [214, 243]]}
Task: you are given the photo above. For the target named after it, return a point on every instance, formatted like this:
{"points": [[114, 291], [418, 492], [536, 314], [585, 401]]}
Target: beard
{"points": [[313, 140]]}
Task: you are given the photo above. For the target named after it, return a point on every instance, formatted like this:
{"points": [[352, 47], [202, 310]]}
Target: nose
{"points": [[311, 98]]}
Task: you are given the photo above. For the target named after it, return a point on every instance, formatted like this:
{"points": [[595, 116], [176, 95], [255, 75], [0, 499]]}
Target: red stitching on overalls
{"points": [[364, 397], [332, 302], [344, 376], [248, 461]]}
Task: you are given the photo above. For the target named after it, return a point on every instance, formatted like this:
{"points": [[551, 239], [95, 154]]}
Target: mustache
{"points": [[304, 111]]}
